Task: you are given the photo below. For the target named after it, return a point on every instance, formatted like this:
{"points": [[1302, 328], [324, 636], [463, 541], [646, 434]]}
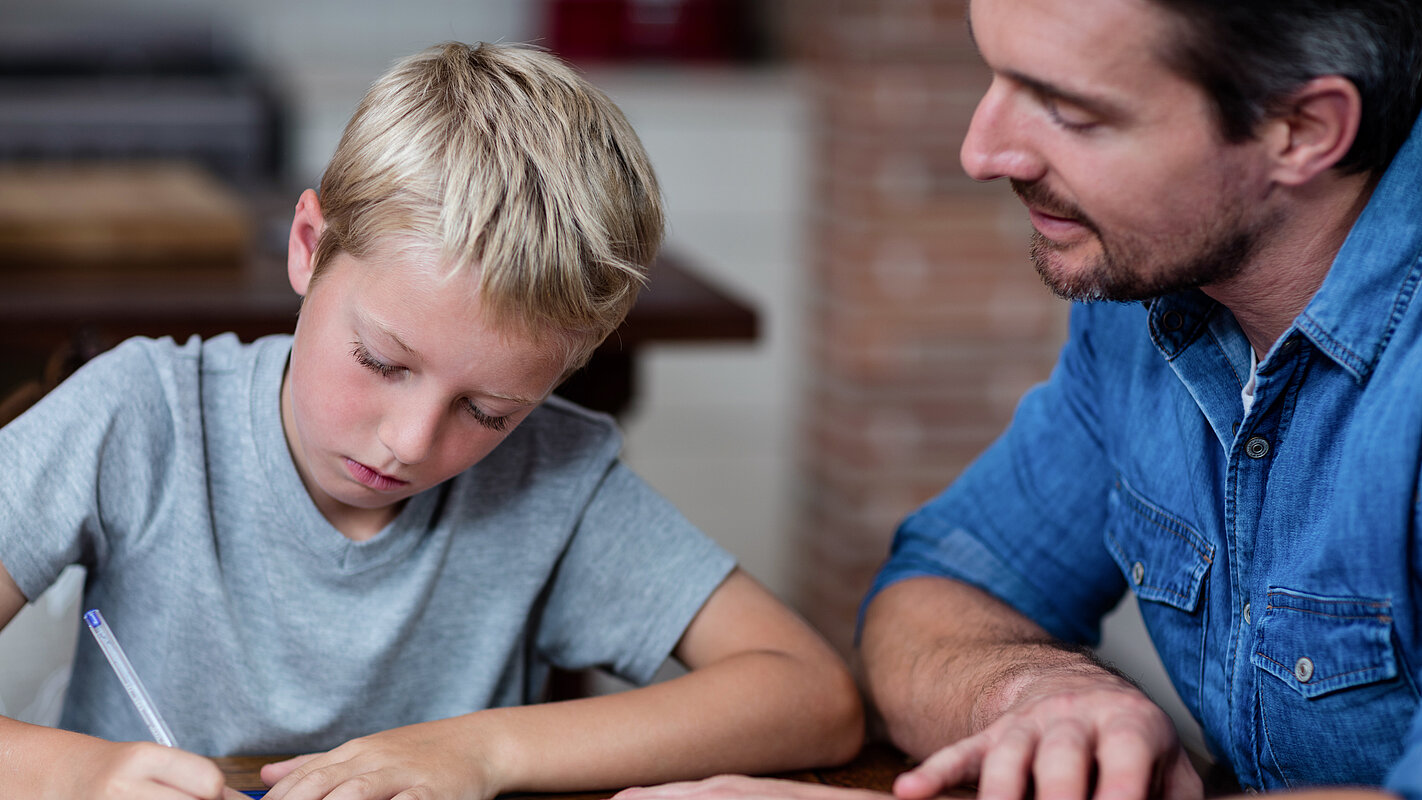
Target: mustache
{"points": [[1040, 197]]}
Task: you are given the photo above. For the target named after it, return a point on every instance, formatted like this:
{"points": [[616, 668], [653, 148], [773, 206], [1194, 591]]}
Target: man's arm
{"points": [[950, 667]]}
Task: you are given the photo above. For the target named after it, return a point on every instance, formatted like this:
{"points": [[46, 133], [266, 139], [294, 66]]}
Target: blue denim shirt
{"points": [[1275, 554]]}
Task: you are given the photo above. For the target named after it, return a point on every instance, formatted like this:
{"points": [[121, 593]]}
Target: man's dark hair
{"points": [[1249, 55]]}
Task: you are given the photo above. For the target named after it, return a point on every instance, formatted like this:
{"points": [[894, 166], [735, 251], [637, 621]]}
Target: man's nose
{"points": [[997, 144]]}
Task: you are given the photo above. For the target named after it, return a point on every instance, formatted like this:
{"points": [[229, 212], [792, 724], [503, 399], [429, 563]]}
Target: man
{"points": [[1238, 444]]}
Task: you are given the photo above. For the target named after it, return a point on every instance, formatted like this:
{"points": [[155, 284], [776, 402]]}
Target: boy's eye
{"points": [[370, 362], [491, 422]]}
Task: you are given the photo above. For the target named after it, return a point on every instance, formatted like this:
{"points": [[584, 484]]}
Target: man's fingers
{"points": [[1006, 769], [1126, 761], [1182, 782], [1063, 765], [949, 767]]}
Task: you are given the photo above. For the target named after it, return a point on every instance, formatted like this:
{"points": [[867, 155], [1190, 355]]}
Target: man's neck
{"points": [[1293, 259]]}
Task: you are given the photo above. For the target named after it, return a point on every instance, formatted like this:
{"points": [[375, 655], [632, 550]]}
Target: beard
{"points": [[1131, 268]]}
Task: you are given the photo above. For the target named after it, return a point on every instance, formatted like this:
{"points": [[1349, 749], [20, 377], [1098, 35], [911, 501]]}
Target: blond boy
{"points": [[370, 541]]}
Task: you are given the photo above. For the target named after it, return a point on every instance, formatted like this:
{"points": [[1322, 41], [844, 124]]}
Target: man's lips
{"points": [[1054, 227], [373, 478]]}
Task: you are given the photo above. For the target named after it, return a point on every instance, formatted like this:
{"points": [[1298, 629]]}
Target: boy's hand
{"points": [[740, 787], [142, 771], [429, 761]]}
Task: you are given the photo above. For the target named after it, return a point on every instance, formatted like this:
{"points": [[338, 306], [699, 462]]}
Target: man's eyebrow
{"points": [[1041, 88]]}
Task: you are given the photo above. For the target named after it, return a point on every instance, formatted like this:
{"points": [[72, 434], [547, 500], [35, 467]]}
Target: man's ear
{"points": [[1314, 129], [306, 227]]}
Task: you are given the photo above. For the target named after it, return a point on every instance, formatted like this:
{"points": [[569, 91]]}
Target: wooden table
{"points": [[160, 251], [875, 768]]}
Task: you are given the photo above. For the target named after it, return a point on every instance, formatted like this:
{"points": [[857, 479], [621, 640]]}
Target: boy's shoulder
{"points": [[562, 431], [559, 417]]}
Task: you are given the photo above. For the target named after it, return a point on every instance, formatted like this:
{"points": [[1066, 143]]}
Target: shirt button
{"points": [[1246, 614], [1256, 447], [1303, 670], [1137, 573]]}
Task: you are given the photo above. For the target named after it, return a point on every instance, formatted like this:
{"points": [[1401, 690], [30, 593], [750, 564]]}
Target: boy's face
{"points": [[397, 382]]}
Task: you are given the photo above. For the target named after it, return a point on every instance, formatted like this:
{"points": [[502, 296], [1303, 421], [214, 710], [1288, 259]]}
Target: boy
{"points": [[312, 542]]}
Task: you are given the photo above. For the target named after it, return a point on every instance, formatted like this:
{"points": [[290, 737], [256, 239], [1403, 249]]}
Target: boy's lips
{"points": [[372, 478]]}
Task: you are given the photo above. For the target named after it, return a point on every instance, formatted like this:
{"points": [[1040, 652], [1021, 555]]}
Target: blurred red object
{"points": [[655, 30]]}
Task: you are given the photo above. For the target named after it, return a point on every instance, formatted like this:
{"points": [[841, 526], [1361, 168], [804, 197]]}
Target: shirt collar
{"points": [[1375, 274], [1372, 280]]}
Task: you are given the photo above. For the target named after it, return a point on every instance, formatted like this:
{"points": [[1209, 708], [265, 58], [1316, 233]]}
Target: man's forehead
{"points": [[1069, 43]]}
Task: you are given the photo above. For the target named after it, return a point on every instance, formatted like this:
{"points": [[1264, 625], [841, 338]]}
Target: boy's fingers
{"points": [[275, 771], [186, 774]]}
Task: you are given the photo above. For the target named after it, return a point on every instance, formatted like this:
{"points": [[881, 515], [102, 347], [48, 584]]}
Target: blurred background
{"points": [[843, 320]]}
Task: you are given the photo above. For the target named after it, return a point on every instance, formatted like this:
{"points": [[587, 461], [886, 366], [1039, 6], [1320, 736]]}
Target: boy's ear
{"points": [[306, 227], [1314, 130]]}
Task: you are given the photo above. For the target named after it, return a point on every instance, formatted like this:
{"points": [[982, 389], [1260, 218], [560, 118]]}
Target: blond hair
{"points": [[506, 161]]}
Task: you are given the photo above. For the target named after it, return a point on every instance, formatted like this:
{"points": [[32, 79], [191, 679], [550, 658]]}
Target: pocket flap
{"points": [[1163, 559], [1319, 644]]}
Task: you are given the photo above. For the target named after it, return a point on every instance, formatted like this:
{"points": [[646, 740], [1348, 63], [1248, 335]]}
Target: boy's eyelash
{"points": [[497, 424], [364, 357], [370, 362]]}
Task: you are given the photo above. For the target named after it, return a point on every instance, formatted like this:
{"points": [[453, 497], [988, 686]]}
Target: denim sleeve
{"points": [[1405, 778], [1024, 522]]}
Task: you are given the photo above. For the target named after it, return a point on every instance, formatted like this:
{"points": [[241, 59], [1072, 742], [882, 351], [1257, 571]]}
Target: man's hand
{"points": [[1067, 737]]}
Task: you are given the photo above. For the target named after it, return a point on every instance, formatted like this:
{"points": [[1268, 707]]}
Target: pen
{"points": [[131, 684]]}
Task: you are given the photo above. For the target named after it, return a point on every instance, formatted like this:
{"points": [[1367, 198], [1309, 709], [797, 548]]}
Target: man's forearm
{"points": [[943, 659]]}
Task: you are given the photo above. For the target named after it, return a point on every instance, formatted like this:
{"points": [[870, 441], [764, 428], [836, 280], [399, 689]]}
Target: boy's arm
{"points": [[764, 693], [42, 763]]}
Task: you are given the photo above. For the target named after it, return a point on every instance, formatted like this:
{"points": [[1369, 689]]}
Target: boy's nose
{"points": [[410, 432], [996, 145]]}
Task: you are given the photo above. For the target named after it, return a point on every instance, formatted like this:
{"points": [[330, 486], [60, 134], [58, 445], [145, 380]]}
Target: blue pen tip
{"points": [[92, 618]]}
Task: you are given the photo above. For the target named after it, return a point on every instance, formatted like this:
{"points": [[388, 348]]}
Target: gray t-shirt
{"points": [[258, 627]]}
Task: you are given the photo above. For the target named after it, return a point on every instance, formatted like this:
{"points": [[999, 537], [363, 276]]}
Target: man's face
{"points": [[1131, 189], [398, 382]]}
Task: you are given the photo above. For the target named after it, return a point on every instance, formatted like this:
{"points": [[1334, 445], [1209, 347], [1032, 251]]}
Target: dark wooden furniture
{"points": [[162, 250]]}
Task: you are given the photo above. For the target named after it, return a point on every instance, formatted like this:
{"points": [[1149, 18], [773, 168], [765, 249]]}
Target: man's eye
{"points": [[1067, 119]]}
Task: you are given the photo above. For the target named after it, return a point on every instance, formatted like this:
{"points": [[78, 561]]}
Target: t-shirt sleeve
{"points": [[1025, 520], [84, 461], [634, 575]]}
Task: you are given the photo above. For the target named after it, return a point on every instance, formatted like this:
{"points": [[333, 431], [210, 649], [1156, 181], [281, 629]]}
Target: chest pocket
{"points": [[1165, 562], [1333, 685]]}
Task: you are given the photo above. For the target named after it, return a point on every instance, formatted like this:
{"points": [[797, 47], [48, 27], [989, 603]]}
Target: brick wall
{"points": [[926, 321]]}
